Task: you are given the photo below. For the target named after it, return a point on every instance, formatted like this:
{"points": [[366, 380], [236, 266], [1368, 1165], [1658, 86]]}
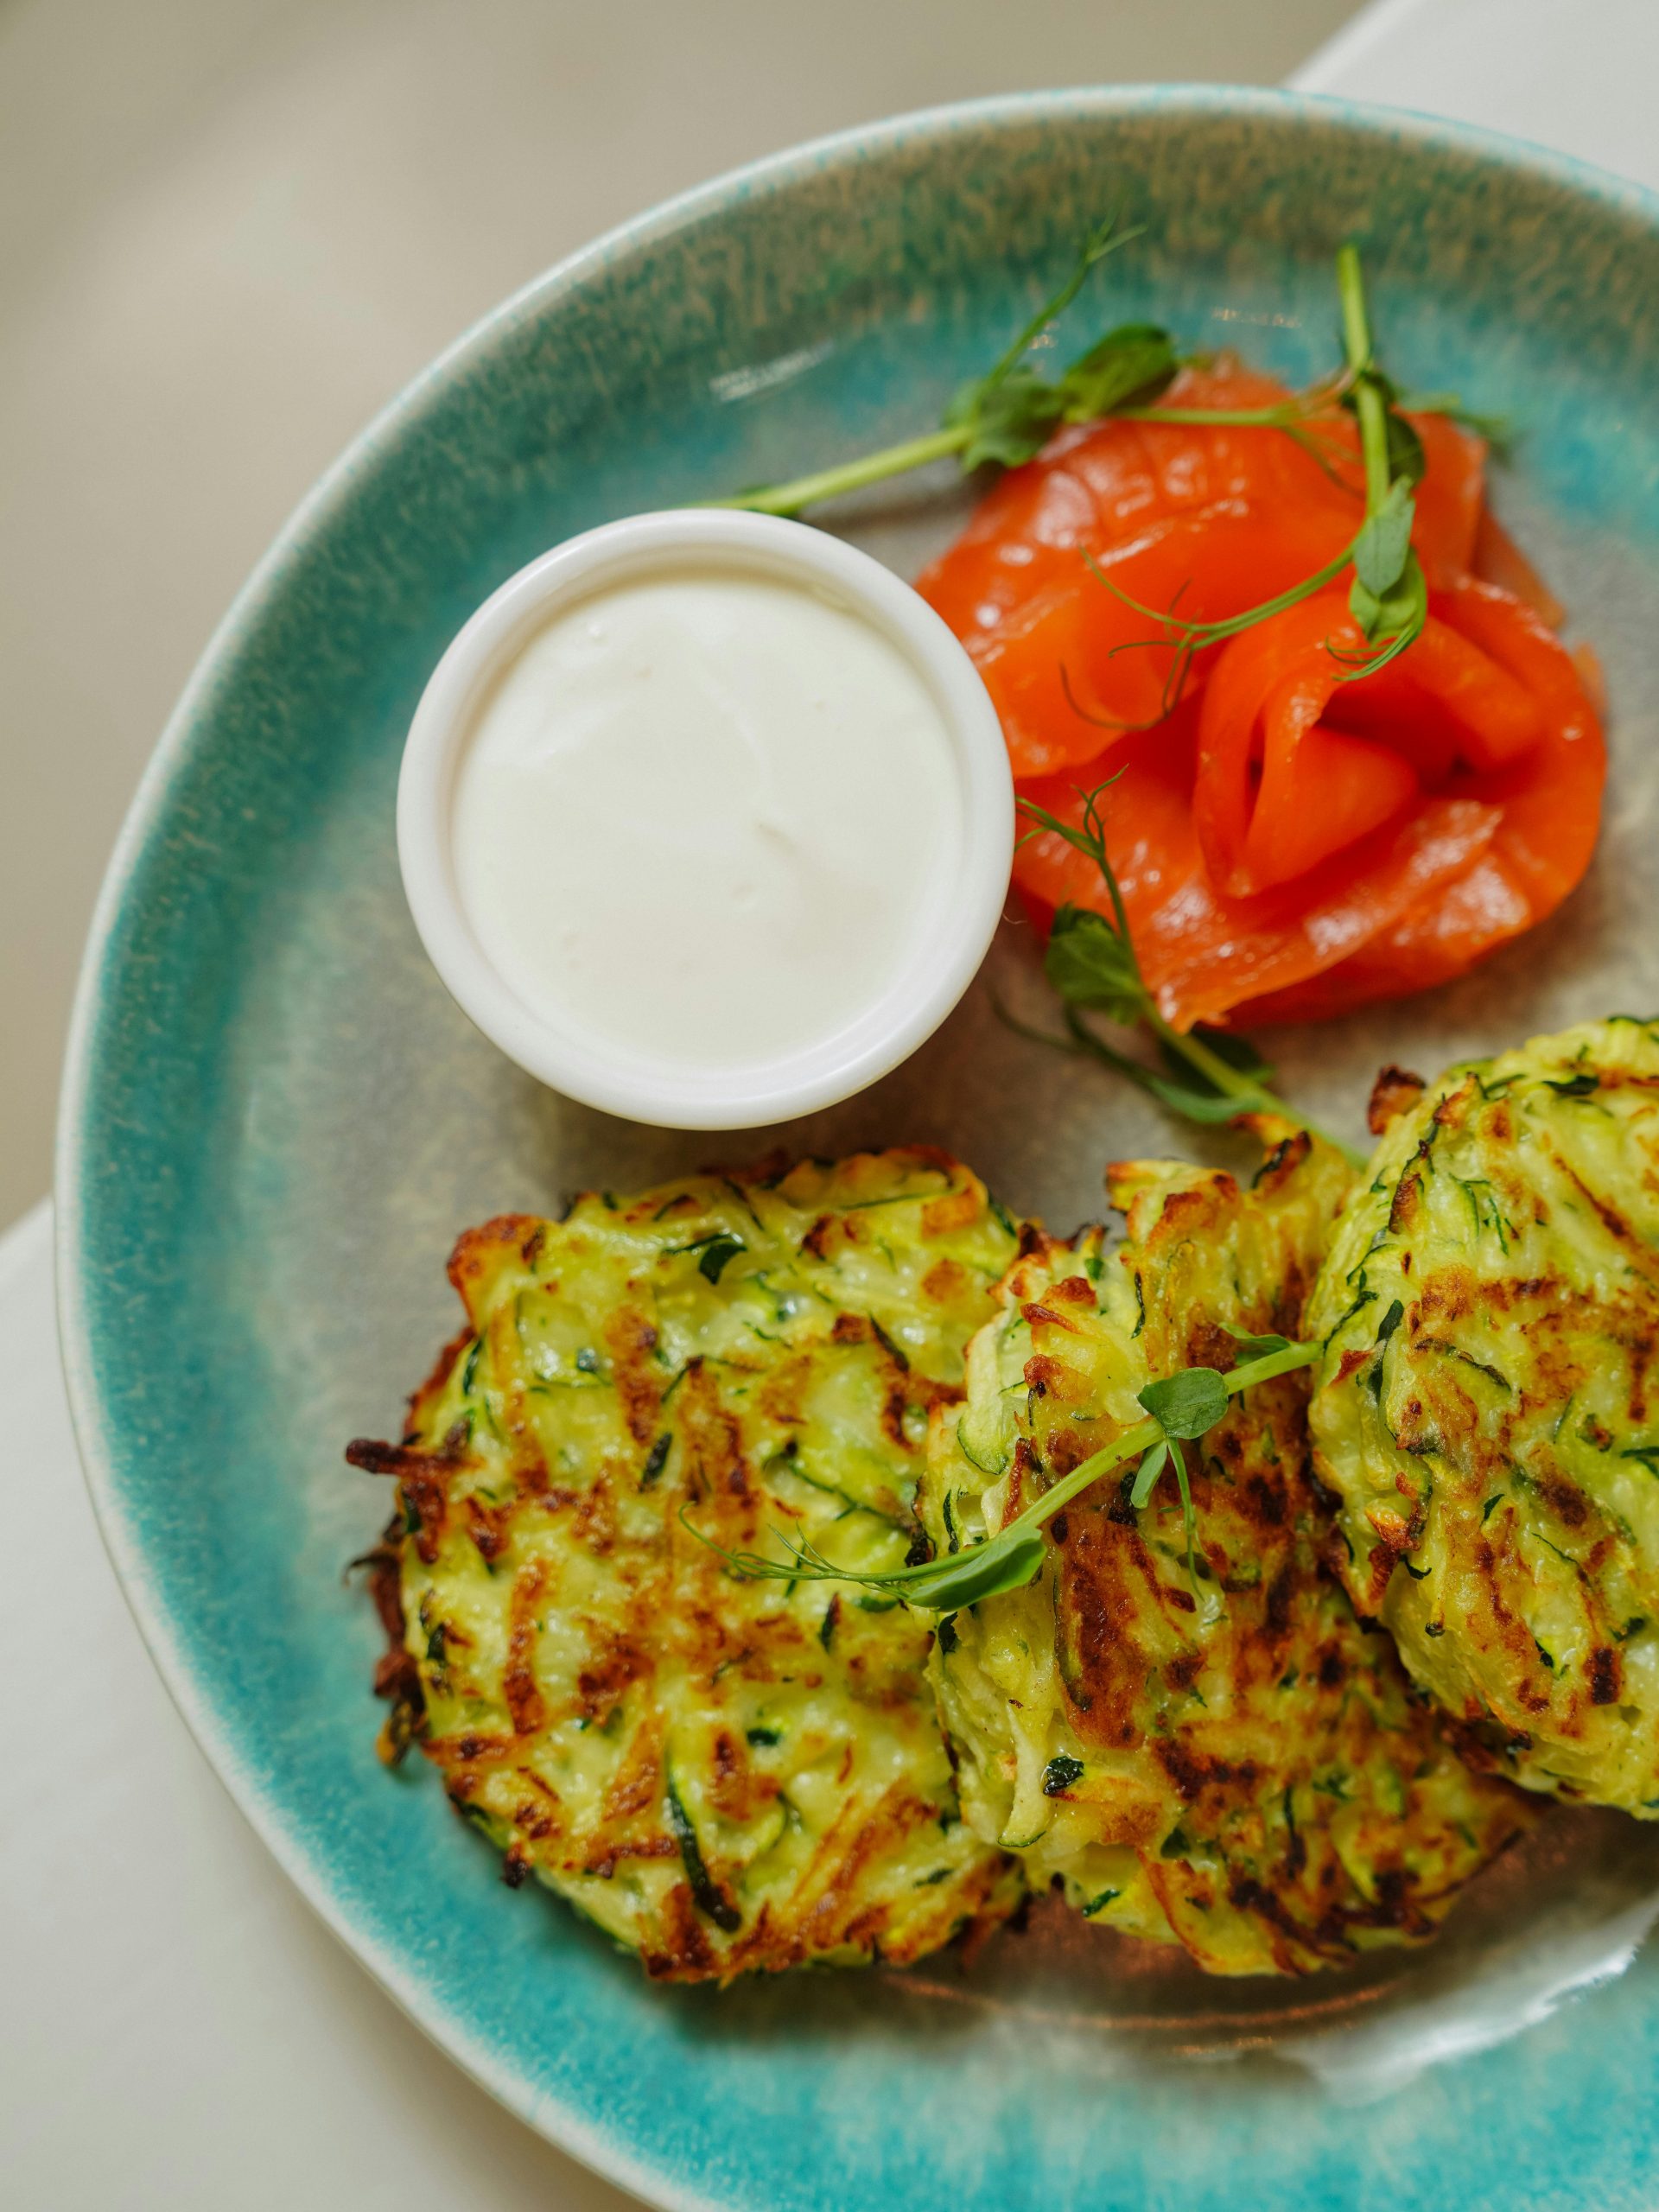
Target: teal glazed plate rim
{"points": [[273, 1123]]}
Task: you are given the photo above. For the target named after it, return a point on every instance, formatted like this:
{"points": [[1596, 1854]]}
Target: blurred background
{"points": [[230, 230]]}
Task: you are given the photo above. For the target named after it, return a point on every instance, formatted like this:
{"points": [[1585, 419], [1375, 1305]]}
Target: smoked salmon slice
{"points": [[1290, 840], [1205, 521]]}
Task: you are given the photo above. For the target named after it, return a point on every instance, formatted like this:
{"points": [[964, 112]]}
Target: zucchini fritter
{"points": [[1488, 1407], [724, 1773], [1234, 1763]]}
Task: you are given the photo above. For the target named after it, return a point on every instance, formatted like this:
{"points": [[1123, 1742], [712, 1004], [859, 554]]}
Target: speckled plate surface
{"points": [[276, 1121]]}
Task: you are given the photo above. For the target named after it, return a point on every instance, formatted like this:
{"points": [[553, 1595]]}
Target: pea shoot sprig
{"points": [[1181, 1408], [1008, 415], [1211, 1074], [1387, 594]]}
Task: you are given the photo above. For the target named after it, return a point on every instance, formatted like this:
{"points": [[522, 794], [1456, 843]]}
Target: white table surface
{"points": [[176, 2029]]}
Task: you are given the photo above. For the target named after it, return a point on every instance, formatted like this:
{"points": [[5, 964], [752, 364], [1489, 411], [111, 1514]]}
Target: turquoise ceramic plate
{"points": [[276, 1121]]}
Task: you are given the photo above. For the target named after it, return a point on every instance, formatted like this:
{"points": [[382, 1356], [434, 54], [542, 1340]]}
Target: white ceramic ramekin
{"points": [[949, 946]]}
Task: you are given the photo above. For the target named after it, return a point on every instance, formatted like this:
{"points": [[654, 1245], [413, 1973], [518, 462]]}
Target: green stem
{"points": [[1318, 400], [1198, 1055], [1197, 635], [1241, 419], [1086, 1039], [850, 476], [911, 1582], [1133, 1441], [1368, 401], [1252, 1096], [1374, 439], [938, 445], [1104, 238], [1129, 1445], [1355, 320]]}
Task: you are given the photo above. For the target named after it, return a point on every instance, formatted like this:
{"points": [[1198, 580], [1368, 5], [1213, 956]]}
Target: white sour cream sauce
{"points": [[700, 816]]}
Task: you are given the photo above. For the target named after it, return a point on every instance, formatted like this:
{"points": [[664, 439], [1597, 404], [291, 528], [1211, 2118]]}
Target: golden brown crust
{"points": [[1223, 1754], [728, 1775], [1395, 1091], [1486, 1411]]}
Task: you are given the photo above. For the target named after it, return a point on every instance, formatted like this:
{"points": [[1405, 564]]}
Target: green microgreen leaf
{"points": [[1014, 1556], [1400, 612], [982, 1571], [1393, 623], [1255, 1347], [1152, 1465], [1007, 421], [1091, 965], [1129, 366], [1407, 462], [1384, 544], [1188, 1404], [1091, 962], [1007, 416]]}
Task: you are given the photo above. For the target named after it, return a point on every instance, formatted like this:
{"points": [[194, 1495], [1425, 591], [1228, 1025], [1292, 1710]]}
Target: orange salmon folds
{"points": [[1289, 842]]}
